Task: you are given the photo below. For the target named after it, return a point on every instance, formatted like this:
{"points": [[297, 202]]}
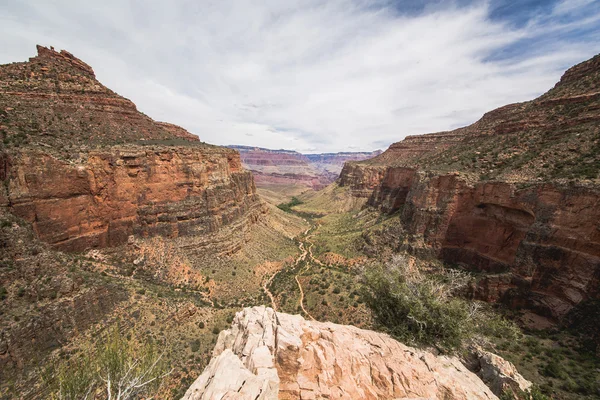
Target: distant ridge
{"points": [[285, 167]]}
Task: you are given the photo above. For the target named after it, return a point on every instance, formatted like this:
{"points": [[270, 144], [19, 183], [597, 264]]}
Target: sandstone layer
{"points": [[268, 355], [515, 195], [100, 199]]}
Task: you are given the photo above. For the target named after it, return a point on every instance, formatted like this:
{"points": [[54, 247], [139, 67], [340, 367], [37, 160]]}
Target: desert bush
{"points": [[114, 368], [417, 308], [422, 308]]}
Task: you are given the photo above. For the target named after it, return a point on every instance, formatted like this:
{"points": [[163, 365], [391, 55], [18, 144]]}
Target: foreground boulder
{"points": [[268, 355]]}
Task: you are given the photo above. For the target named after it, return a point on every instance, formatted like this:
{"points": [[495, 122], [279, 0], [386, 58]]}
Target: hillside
{"points": [[514, 197], [111, 219], [552, 138]]}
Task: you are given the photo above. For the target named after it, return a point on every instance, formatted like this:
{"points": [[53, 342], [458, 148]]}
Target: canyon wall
{"points": [[539, 246], [515, 196], [106, 195], [86, 169]]}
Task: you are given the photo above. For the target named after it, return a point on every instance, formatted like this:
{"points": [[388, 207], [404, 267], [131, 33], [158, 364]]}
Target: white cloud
{"points": [[306, 74]]}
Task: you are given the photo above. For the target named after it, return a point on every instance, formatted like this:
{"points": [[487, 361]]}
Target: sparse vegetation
{"points": [[423, 307], [115, 367], [287, 207]]}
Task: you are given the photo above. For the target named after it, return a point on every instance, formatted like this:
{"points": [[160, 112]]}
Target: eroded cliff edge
{"points": [[515, 196]]}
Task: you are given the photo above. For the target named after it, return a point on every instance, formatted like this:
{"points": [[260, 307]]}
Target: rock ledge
{"points": [[268, 355]]}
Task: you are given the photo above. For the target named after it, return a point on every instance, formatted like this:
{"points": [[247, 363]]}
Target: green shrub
{"points": [[554, 370], [195, 346], [417, 308], [287, 207]]}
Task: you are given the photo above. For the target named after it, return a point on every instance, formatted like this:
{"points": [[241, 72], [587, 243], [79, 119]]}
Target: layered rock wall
{"points": [[361, 180], [104, 196], [515, 195], [539, 244], [87, 169]]}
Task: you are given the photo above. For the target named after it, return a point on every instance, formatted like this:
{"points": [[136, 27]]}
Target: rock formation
{"points": [[286, 167], [515, 195], [499, 375], [103, 197], [268, 355], [87, 169]]}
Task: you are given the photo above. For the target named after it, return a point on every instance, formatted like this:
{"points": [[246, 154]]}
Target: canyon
{"points": [[286, 167], [109, 218]]}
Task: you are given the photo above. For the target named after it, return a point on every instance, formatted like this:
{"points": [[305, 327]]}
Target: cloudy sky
{"points": [[308, 75]]}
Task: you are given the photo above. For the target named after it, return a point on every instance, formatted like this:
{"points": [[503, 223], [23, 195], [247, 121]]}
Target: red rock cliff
{"points": [[65, 170], [105, 196], [515, 195]]}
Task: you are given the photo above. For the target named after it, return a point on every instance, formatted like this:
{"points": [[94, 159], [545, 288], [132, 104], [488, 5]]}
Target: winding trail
{"points": [[304, 252], [266, 288], [302, 299], [307, 251]]}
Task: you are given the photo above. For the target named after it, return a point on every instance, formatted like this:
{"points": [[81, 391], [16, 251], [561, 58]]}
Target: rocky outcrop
{"points": [[286, 167], [515, 196], [86, 169], [268, 355], [361, 180], [499, 375], [54, 99], [392, 190]]}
